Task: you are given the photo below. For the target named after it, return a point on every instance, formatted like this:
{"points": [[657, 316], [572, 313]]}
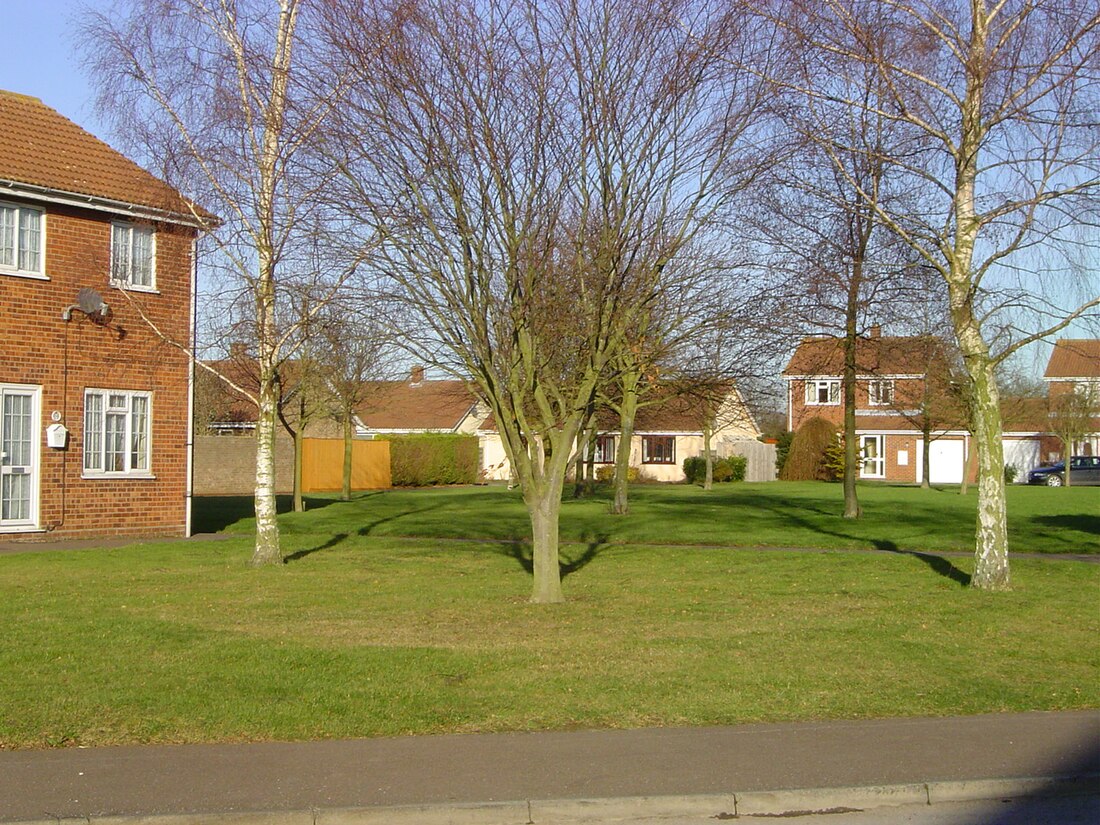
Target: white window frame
{"points": [[126, 281], [875, 394], [831, 386], [31, 524], [95, 446], [867, 463], [18, 270]]}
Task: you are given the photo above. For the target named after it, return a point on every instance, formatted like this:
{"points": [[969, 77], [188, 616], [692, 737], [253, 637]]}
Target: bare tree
{"points": [[534, 166], [220, 97], [1073, 415], [1006, 94], [845, 271], [355, 355]]}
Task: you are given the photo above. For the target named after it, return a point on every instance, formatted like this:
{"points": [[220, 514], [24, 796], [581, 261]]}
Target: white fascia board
{"points": [[44, 194], [674, 433], [861, 377]]}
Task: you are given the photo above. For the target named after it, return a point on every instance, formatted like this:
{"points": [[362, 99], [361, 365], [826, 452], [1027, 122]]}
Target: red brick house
{"points": [[95, 408], [1074, 367]]}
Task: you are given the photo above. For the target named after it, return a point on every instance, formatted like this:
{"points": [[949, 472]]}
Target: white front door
{"points": [[19, 436], [874, 456]]}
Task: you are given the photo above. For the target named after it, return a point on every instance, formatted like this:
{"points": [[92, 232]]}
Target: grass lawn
{"points": [[363, 635], [1041, 520]]}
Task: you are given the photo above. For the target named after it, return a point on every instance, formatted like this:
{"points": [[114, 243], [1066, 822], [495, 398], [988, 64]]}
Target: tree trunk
{"points": [[267, 550], [991, 537], [926, 455], [708, 480], [299, 437], [345, 487], [582, 483], [542, 494], [991, 547], [1067, 454], [848, 385], [621, 505]]}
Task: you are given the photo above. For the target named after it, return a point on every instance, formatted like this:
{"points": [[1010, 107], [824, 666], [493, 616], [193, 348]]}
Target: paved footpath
{"points": [[720, 773]]}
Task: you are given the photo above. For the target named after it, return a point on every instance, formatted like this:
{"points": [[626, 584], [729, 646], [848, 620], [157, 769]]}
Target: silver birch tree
{"points": [[215, 95], [1007, 95]]}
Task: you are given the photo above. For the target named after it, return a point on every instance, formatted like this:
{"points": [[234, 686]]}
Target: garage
{"points": [[947, 460]]}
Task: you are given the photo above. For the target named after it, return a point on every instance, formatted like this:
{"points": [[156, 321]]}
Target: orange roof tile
{"points": [[1074, 358], [874, 356], [41, 148], [426, 405]]}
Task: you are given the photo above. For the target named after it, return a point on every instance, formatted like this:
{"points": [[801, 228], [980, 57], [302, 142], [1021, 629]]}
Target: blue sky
{"points": [[39, 58]]}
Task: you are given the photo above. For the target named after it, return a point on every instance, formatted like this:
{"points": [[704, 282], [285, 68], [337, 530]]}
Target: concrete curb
{"points": [[794, 802]]}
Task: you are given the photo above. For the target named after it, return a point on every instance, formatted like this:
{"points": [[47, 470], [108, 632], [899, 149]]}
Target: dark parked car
{"points": [[1084, 469]]}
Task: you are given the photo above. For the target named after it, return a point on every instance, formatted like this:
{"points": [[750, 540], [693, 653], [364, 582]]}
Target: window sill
{"points": [[822, 403], [118, 476], [30, 528], [33, 276], [124, 287]]}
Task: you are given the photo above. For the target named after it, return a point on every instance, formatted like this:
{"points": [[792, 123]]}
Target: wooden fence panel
{"points": [[761, 459], [323, 465]]}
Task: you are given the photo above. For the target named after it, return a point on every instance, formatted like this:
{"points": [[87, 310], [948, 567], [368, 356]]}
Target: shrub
{"points": [[806, 457], [432, 459], [782, 447], [695, 469], [606, 473], [1011, 471], [833, 466], [731, 468], [738, 465]]}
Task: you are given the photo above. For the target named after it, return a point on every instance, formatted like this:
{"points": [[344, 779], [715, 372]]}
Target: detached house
{"points": [[1074, 367], [904, 391], [94, 407]]}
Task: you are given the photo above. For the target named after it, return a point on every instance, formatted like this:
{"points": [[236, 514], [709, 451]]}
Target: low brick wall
{"points": [[225, 465]]}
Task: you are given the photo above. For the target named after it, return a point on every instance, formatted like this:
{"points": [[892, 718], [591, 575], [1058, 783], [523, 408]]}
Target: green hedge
{"points": [[724, 469], [432, 459]]}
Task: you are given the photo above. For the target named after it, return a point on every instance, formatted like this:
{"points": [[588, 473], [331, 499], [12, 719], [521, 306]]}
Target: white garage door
{"points": [[946, 459], [1024, 454]]}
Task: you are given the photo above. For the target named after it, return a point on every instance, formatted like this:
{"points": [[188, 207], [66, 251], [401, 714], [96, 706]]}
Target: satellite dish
{"points": [[90, 301]]}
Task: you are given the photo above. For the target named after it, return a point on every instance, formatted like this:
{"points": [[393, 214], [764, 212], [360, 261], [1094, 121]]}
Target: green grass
{"points": [[365, 635], [1041, 520]]}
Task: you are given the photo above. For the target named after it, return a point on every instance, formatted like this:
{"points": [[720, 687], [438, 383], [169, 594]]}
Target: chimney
{"points": [[416, 375], [238, 350], [876, 331]]}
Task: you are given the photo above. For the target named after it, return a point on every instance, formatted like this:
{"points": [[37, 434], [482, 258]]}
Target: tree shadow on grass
{"points": [[1077, 521], [520, 550], [301, 554], [212, 514], [940, 564], [368, 528]]}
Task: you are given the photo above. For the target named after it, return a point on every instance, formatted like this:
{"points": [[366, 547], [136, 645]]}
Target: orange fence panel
{"points": [[323, 465]]}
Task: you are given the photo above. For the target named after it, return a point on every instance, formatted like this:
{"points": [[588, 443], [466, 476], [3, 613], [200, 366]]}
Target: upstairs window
{"points": [[825, 391], [116, 432], [20, 239], [132, 261], [880, 393]]}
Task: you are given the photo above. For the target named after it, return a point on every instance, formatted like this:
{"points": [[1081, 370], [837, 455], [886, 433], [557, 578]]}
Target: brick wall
{"points": [[225, 465], [64, 358]]}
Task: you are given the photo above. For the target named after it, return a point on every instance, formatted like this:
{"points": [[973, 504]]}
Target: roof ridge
{"points": [[21, 96]]}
